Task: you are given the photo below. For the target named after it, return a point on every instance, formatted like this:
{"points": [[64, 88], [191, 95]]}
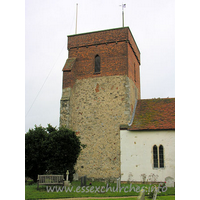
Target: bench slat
{"points": [[50, 180]]}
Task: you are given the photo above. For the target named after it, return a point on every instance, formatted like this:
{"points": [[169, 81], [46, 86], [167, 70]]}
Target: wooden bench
{"points": [[50, 180]]}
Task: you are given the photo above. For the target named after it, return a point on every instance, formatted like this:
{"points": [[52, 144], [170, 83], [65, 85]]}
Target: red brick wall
{"points": [[116, 48], [134, 75], [134, 46], [98, 37]]}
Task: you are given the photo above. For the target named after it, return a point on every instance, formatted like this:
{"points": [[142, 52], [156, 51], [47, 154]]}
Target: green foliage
{"points": [[35, 144], [50, 128], [64, 148], [51, 150]]}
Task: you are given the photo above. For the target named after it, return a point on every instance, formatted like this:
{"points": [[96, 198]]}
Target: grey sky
{"points": [[47, 24]]}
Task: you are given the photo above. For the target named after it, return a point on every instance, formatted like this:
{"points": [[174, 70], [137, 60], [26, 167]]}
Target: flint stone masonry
{"points": [[94, 105], [95, 115]]}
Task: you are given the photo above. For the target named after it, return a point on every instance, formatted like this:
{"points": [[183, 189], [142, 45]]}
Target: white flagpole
{"points": [[123, 6], [76, 18]]}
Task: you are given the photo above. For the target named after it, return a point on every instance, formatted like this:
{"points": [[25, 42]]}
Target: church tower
{"points": [[101, 82]]}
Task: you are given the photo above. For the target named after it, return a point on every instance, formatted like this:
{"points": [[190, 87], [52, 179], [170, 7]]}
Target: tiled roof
{"points": [[69, 64], [154, 114]]}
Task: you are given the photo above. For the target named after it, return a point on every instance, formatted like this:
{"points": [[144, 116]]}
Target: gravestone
{"points": [[83, 181], [75, 177], [141, 195], [67, 182], [155, 193], [118, 183], [169, 181], [107, 186]]}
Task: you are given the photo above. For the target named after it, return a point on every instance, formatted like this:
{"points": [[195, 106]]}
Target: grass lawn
{"points": [[135, 198], [75, 191]]}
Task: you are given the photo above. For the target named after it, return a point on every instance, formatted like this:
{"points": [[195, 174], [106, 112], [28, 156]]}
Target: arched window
{"points": [[97, 63], [161, 156], [155, 156]]}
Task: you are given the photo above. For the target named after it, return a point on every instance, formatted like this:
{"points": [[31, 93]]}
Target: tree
{"points": [[35, 148], [64, 148], [51, 150]]}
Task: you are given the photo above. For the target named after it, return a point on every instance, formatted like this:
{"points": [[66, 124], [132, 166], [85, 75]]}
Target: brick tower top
{"points": [[102, 53], [103, 37]]}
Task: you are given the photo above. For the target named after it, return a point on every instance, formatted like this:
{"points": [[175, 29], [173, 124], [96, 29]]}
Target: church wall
{"points": [[137, 154], [98, 107]]}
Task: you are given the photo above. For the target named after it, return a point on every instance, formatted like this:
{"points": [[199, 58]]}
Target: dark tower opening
{"points": [[97, 64]]}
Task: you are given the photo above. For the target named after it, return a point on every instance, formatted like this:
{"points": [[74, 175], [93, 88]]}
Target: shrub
{"points": [[51, 150]]}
